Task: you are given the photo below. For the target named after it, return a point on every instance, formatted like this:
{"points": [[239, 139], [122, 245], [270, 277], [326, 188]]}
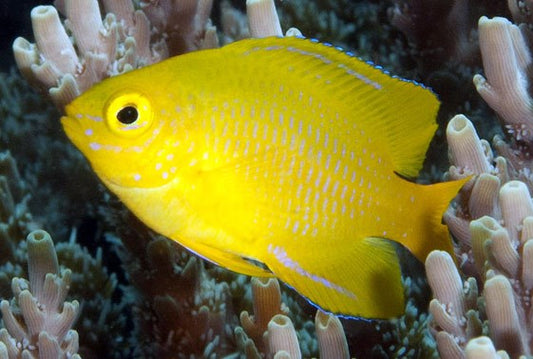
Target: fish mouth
{"points": [[70, 124], [67, 123], [73, 126]]}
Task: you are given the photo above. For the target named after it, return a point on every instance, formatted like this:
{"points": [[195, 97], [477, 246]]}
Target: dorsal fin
{"points": [[400, 111]]}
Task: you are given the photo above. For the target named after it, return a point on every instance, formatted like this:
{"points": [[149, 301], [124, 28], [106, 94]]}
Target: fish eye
{"points": [[129, 114]]}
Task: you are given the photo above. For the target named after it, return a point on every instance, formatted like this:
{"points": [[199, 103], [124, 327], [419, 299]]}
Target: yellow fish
{"points": [[281, 151]]}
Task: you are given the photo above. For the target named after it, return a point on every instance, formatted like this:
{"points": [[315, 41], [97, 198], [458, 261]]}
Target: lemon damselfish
{"points": [[283, 151]]}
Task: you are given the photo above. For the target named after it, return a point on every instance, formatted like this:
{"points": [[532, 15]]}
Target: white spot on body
{"points": [[318, 179], [293, 140], [319, 156], [236, 132], [326, 185], [225, 129], [284, 137], [325, 203], [345, 172], [343, 193], [328, 161], [352, 197], [299, 190], [309, 175], [94, 118], [301, 147], [137, 149], [300, 171], [295, 227], [265, 132], [337, 166], [335, 188], [307, 195], [288, 223]]}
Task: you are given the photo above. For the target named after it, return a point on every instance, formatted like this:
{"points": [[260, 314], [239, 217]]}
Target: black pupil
{"points": [[128, 115]]}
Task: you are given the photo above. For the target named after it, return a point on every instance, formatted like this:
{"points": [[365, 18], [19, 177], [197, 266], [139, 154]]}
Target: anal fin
{"points": [[363, 279]]}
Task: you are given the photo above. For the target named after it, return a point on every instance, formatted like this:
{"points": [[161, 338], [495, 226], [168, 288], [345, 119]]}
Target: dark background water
{"points": [[15, 20]]}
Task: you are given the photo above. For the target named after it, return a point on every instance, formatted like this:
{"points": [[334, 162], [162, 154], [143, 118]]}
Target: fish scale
{"points": [[284, 197], [280, 151]]}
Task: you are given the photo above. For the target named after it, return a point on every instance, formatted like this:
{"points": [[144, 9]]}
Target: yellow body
{"points": [[277, 150]]}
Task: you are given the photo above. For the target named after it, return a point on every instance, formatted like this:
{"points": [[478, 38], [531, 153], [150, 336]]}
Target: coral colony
{"points": [[69, 306]]}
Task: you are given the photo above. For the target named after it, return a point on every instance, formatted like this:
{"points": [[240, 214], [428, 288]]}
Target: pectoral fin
{"points": [[362, 280]]}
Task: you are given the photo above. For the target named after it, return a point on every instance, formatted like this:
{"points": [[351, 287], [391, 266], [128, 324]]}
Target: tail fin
{"points": [[435, 198]]}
